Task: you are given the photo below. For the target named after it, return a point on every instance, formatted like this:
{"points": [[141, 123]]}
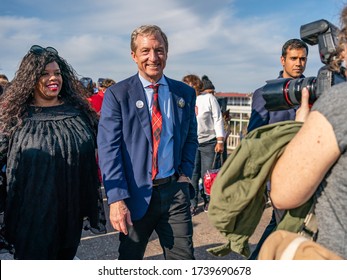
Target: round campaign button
{"points": [[139, 104]]}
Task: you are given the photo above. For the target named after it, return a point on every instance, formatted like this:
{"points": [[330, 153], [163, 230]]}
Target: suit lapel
{"points": [[176, 98], [178, 113], [138, 101], [177, 110], [137, 95]]}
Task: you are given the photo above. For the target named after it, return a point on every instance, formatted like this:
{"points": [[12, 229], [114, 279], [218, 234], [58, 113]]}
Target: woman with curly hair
{"points": [[48, 142]]}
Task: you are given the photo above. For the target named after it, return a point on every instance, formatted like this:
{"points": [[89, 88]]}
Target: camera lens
{"points": [[285, 93], [293, 90]]}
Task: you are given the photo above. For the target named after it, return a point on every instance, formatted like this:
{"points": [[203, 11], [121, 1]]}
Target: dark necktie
{"points": [[157, 123]]}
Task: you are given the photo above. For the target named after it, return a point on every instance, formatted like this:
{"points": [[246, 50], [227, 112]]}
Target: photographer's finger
{"points": [[303, 111], [305, 96]]}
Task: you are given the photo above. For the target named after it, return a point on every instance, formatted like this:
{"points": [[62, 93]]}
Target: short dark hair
{"points": [[294, 44]]}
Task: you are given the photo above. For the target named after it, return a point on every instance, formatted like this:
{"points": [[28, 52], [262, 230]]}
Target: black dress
{"points": [[52, 182]]}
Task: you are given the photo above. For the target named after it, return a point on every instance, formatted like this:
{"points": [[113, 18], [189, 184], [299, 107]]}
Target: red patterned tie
{"points": [[157, 122]]}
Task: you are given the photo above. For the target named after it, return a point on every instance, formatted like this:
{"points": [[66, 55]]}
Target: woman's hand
{"points": [[304, 109], [219, 148]]}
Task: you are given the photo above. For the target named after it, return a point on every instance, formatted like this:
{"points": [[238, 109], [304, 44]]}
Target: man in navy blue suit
{"points": [[140, 201], [293, 60]]}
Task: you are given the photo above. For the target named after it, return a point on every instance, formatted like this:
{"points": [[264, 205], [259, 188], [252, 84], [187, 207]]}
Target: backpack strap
{"points": [[309, 228]]}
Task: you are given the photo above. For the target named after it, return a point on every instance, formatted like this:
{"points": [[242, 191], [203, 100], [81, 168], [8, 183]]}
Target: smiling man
{"points": [[147, 140]]}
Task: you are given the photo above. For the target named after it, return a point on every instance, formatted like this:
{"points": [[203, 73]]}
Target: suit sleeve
{"points": [[109, 149]]}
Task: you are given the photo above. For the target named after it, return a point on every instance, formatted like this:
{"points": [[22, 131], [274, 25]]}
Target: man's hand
{"points": [[304, 109], [120, 216]]}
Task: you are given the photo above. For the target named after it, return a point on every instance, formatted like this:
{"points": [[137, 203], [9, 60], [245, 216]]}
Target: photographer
{"points": [[315, 163]]}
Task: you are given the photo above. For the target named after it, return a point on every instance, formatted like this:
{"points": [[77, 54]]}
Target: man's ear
{"points": [[133, 56], [283, 60]]}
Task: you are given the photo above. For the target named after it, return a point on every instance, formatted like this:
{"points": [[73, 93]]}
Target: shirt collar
{"points": [[162, 81]]}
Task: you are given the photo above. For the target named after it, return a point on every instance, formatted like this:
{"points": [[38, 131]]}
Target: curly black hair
{"points": [[18, 96]]}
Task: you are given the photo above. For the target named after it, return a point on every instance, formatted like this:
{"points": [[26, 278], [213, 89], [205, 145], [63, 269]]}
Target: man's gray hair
{"points": [[146, 30]]}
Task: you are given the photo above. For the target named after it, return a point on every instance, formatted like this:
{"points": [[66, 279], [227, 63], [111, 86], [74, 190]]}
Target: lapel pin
{"points": [[181, 102], [139, 104]]}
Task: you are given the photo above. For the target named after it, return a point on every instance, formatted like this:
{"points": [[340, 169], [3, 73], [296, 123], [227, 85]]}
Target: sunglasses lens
{"points": [[38, 50], [52, 50]]}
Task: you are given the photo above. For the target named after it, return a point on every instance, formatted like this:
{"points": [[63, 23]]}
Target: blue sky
{"points": [[237, 43]]}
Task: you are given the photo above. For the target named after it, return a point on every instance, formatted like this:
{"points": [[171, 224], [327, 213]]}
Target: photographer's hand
{"points": [[304, 109]]}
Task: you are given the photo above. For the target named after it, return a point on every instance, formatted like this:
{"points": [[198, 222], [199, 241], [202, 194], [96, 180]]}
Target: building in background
{"points": [[239, 106]]}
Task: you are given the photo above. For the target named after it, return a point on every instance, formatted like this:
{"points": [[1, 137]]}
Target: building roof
{"points": [[232, 94]]}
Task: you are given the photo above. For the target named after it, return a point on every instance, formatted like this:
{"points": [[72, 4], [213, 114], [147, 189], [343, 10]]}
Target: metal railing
{"points": [[233, 141]]}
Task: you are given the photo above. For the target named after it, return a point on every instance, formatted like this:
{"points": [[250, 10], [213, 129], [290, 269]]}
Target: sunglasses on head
{"points": [[36, 49]]}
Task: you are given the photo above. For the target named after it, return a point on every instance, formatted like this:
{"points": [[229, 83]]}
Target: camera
{"points": [[285, 93]]}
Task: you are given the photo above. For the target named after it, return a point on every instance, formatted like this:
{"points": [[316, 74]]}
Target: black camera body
{"points": [[285, 93]]}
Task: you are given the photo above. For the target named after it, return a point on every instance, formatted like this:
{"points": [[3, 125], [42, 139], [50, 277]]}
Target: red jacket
{"points": [[96, 100]]}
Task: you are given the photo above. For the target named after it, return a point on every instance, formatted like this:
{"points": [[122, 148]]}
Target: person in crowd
{"points": [[96, 102], [3, 82], [223, 102], [315, 161], [210, 137], [147, 140], [96, 99], [88, 84], [99, 83], [293, 60], [48, 141], [195, 82], [95, 88]]}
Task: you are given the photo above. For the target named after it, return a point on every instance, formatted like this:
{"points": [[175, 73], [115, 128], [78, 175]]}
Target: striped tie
{"points": [[157, 123]]}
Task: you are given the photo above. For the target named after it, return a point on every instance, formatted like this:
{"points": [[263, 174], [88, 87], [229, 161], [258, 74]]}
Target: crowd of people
{"points": [[59, 134], [62, 137]]}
